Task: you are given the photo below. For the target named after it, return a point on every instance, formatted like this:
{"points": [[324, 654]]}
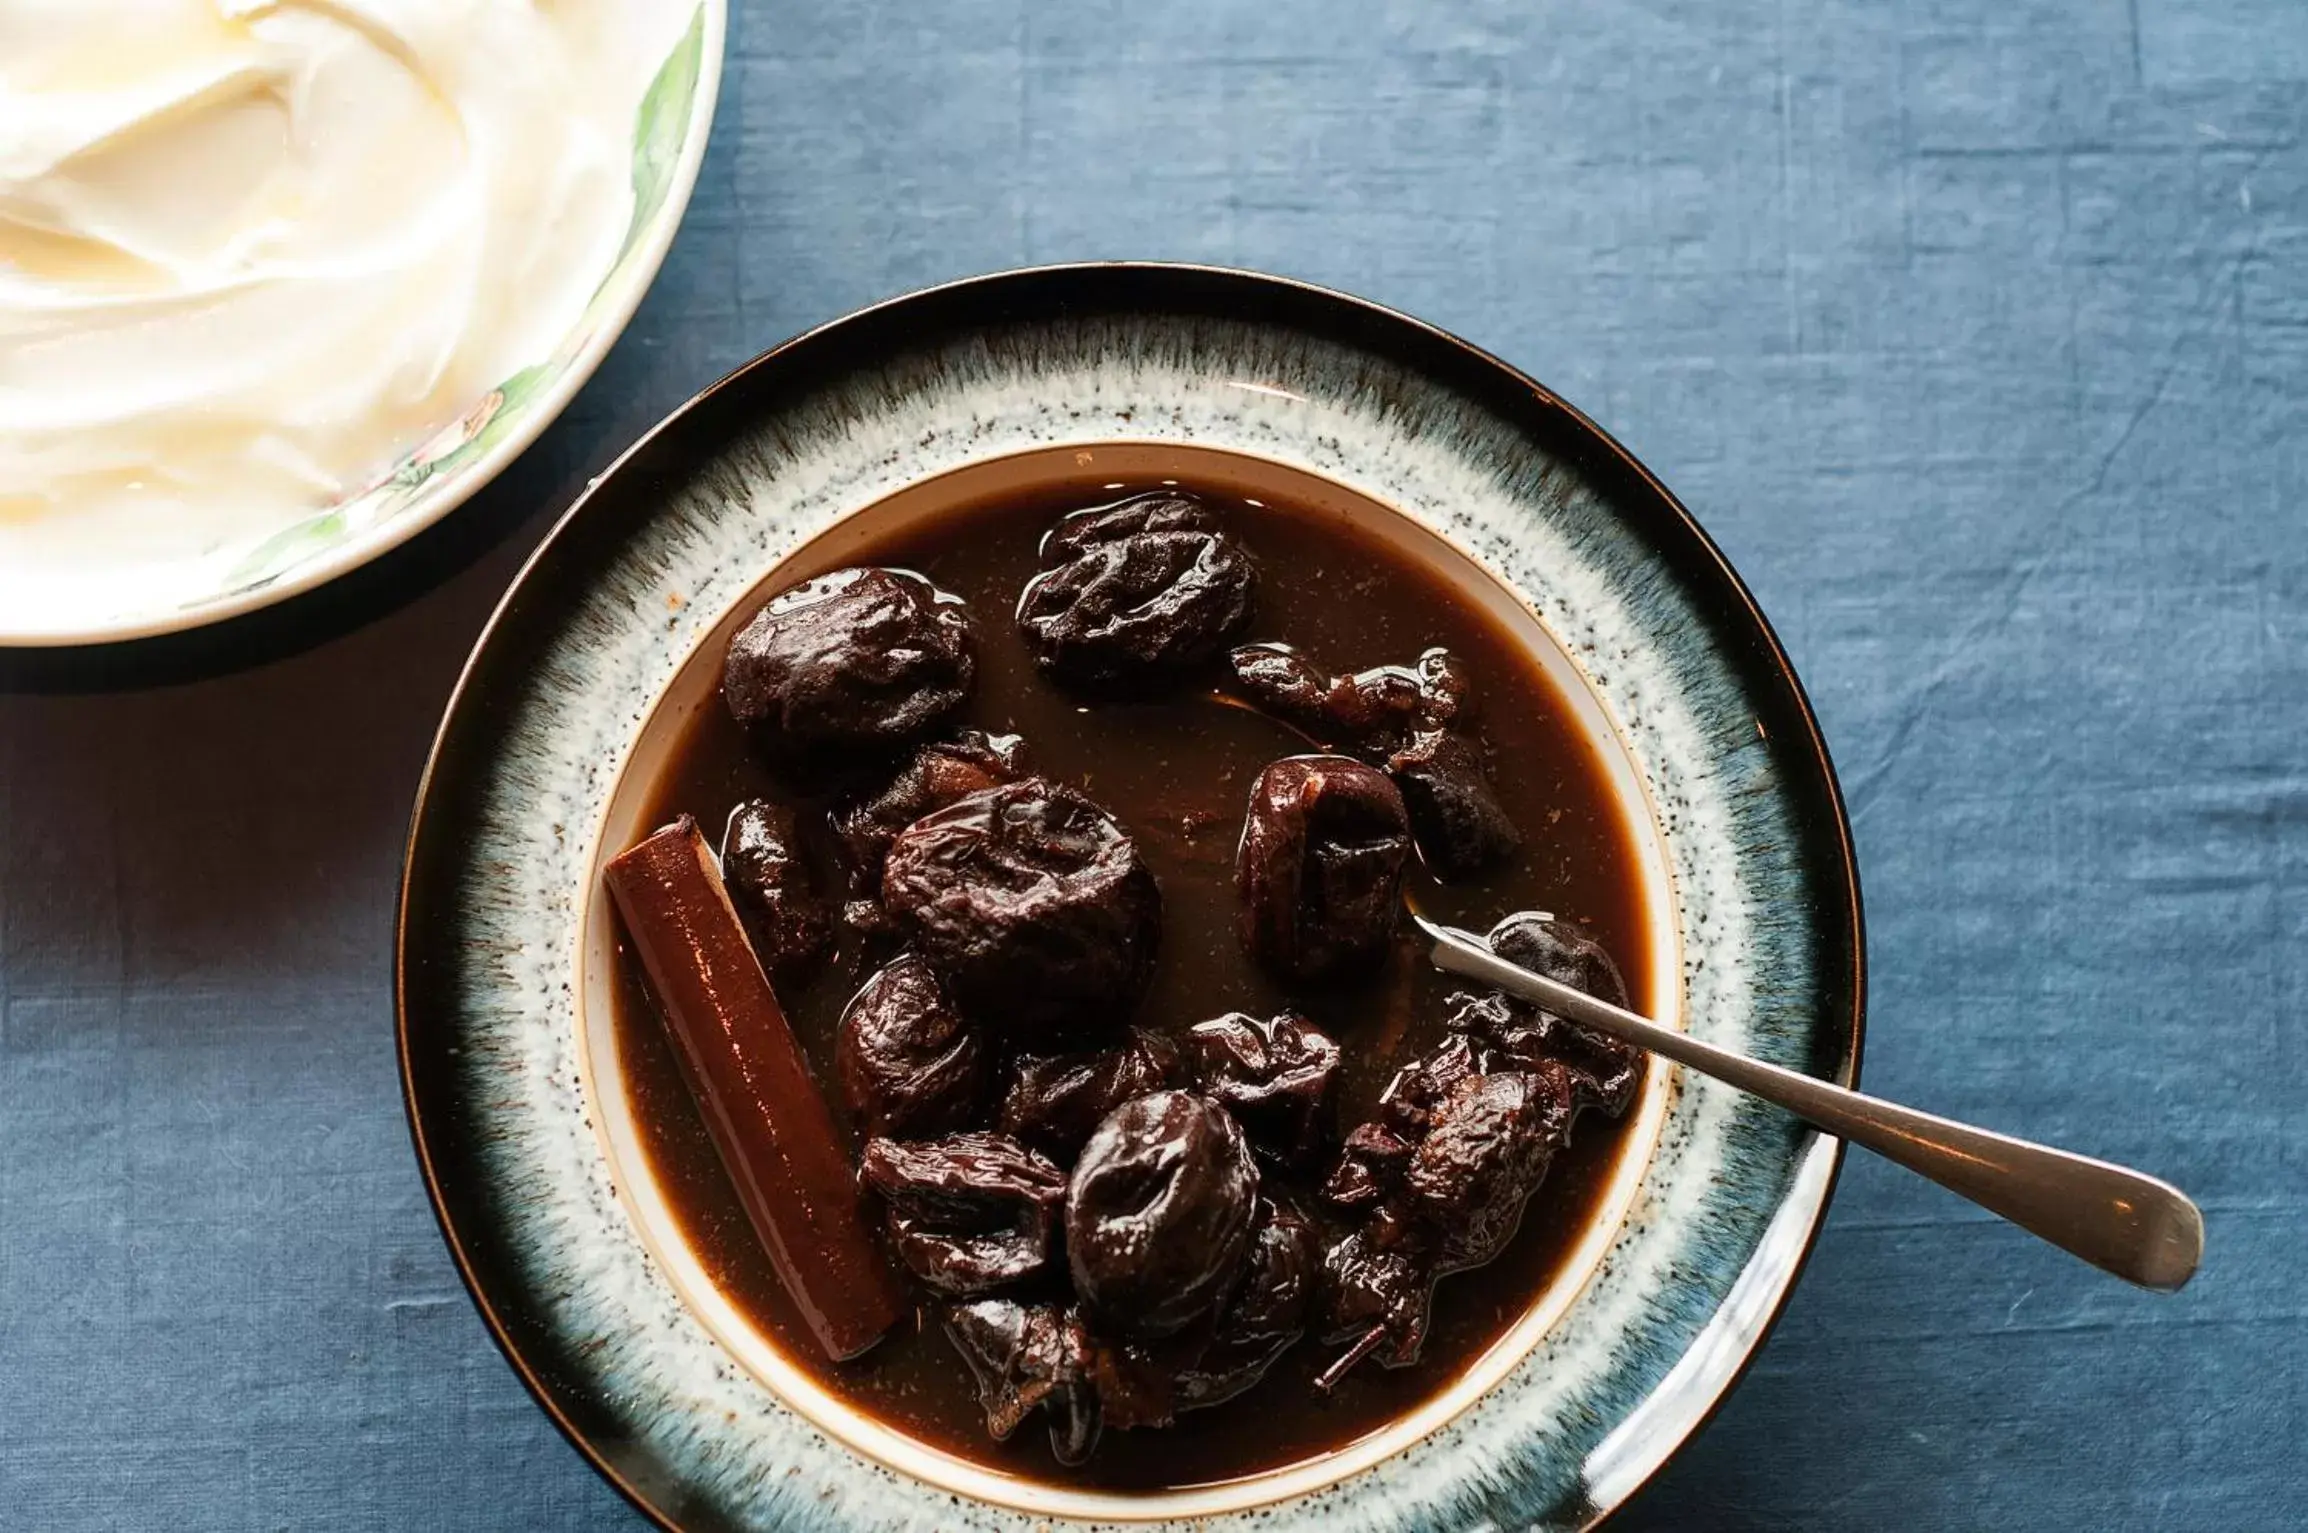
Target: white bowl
{"points": [[466, 452]]}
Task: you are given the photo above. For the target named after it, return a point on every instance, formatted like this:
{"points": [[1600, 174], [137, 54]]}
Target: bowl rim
{"points": [[635, 274], [1508, 387]]}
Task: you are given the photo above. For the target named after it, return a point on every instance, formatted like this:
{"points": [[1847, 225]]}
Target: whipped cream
{"points": [[251, 251]]}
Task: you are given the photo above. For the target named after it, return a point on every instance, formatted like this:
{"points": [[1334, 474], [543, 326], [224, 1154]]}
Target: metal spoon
{"points": [[2143, 1230]]}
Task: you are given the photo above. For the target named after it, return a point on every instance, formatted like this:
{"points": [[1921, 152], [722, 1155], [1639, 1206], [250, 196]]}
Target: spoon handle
{"points": [[2143, 1230]]}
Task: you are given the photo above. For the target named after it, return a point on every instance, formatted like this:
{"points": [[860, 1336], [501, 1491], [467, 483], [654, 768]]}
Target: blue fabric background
{"points": [[1977, 332]]}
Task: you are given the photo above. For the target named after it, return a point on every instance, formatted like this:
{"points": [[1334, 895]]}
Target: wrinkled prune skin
{"points": [[1033, 905], [1138, 592], [940, 773], [1320, 867], [1159, 1213], [912, 1066], [1486, 1153], [969, 1212], [1057, 1101], [858, 660], [1265, 1313], [1273, 1076], [1370, 1286], [1413, 720], [1438, 1184], [1370, 1166], [791, 929], [1026, 1358], [1604, 1071], [1408, 1104], [1376, 712], [1461, 828]]}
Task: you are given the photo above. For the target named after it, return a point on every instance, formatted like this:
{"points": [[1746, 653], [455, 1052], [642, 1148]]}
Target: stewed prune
{"points": [[1439, 1186], [1033, 905], [775, 893], [1412, 720], [1370, 1165], [912, 1066], [1262, 1316], [1057, 1101], [1457, 819], [1604, 1071], [1377, 1287], [1273, 1076], [968, 1212], [937, 775], [1159, 1213], [1486, 1153], [1408, 1104], [1377, 711], [1138, 591], [1320, 867], [1028, 1357], [858, 660]]}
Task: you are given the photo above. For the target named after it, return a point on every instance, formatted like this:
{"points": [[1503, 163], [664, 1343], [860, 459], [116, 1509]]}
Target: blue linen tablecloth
{"points": [[1977, 333]]}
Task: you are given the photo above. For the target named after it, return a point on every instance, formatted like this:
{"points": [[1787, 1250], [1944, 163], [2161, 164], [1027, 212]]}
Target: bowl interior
{"points": [[1101, 467]]}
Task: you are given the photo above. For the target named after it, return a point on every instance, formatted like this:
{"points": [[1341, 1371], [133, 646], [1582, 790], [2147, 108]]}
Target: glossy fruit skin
{"points": [[911, 1065], [967, 1213], [1136, 593], [937, 774], [1029, 1357], [1274, 1076], [1055, 1102], [1159, 1213], [779, 901], [1033, 905], [1319, 869], [859, 660]]}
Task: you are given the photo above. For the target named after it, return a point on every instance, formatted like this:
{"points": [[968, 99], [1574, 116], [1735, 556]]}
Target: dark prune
{"points": [[1135, 592], [1411, 720], [1283, 680], [1370, 1166], [1273, 1076], [1320, 867], [967, 1212], [912, 1066], [861, 659], [1055, 1103], [1264, 1314], [1604, 1071], [1159, 1213], [1032, 904], [1489, 1148], [1376, 1295], [1460, 826], [1376, 711], [938, 774], [1026, 1358], [792, 933], [1407, 1105]]}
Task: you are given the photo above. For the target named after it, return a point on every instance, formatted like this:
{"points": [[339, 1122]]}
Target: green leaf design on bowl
{"points": [[660, 125], [295, 542]]}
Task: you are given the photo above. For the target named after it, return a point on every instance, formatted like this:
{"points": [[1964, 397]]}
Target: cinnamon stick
{"points": [[769, 1122]]}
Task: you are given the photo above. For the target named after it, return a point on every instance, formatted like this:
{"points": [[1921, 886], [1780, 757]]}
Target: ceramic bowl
{"points": [[438, 475], [568, 707]]}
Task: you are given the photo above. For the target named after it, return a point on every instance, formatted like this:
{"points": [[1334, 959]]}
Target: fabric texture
{"points": [[1976, 333]]}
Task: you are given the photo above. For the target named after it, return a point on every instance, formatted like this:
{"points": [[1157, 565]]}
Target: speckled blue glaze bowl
{"points": [[513, 1090]]}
